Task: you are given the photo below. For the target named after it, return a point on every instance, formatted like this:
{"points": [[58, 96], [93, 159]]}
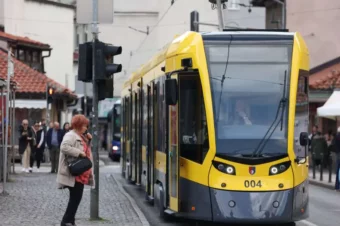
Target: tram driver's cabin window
{"points": [[194, 143]]}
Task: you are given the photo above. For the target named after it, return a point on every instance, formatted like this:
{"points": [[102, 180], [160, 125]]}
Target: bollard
{"points": [[321, 168], [330, 160], [313, 165]]}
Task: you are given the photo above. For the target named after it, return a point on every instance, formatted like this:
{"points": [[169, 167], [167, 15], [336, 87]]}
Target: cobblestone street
{"points": [[34, 200]]}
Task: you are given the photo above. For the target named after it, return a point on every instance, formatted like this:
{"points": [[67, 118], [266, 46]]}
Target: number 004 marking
{"points": [[252, 184]]}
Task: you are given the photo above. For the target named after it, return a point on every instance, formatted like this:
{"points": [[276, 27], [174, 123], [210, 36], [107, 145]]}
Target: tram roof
{"points": [[176, 46]]}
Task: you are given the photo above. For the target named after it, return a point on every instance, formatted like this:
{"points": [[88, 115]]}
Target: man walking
{"points": [[34, 129], [53, 140]]}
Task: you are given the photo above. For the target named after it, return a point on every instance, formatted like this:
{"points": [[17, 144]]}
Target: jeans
{"points": [[76, 194]]}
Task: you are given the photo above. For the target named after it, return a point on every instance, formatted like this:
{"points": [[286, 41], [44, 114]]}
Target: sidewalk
{"points": [[34, 200], [324, 183]]}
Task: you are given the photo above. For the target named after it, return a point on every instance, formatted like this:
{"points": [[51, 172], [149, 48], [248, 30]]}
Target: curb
{"points": [[105, 160], [140, 214], [322, 184]]}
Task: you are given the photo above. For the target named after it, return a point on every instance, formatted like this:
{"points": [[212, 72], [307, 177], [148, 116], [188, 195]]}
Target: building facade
{"points": [[48, 22], [30, 83]]}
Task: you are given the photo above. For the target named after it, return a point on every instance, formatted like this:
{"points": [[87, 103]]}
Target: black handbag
{"points": [[79, 166]]}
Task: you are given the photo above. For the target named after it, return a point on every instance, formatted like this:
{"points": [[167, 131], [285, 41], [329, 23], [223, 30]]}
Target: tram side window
{"points": [[156, 116], [301, 111], [194, 143], [127, 119]]}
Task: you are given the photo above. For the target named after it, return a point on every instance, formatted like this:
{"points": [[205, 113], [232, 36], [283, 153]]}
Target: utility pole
{"points": [[85, 100], [220, 15], [47, 108], [283, 12], [10, 70], [94, 201], [96, 54]]}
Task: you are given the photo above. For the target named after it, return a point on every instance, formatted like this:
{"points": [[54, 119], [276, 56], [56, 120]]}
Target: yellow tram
{"points": [[214, 127]]}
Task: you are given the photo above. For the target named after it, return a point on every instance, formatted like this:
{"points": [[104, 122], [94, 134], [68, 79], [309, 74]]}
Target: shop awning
{"points": [[331, 109], [30, 104]]}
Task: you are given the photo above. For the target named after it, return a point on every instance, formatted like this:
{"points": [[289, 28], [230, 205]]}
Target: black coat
{"points": [[39, 137], [23, 142]]}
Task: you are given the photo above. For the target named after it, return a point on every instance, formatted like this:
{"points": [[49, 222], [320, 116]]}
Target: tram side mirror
{"points": [[171, 91], [303, 139]]}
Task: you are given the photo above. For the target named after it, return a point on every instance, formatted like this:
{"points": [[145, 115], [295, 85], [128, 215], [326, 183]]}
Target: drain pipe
{"points": [[43, 61]]}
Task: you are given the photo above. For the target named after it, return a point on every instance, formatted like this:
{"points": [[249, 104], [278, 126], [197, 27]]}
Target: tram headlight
{"points": [[279, 168], [224, 168], [274, 170], [115, 148]]}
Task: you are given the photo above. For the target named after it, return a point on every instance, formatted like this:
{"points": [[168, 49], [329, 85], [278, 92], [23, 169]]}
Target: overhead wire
{"points": [[154, 26]]}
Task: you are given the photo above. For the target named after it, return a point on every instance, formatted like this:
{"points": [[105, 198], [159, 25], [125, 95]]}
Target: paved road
{"points": [[34, 200], [324, 205]]}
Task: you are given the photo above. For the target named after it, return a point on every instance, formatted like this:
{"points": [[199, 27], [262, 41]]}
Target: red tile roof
{"points": [[24, 40], [326, 78], [29, 80]]}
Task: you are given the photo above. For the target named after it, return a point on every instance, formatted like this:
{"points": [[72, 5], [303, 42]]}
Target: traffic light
{"points": [[50, 92], [105, 67], [194, 17], [105, 89], [85, 62]]}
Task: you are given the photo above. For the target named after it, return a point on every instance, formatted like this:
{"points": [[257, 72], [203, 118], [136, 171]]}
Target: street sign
{"points": [[85, 12]]}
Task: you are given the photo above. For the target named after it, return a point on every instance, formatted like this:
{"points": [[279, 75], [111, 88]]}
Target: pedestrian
{"points": [[43, 125], [48, 131], [315, 129], [40, 148], [34, 128], [76, 143], [54, 139], [319, 149], [337, 157], [66, 128], [25, 144]]}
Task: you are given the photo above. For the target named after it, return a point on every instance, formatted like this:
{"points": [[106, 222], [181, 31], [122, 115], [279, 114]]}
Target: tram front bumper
{"points": [[252, 207]]}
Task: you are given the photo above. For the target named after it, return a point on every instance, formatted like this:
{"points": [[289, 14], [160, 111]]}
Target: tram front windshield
{"points": [[246, 103]]}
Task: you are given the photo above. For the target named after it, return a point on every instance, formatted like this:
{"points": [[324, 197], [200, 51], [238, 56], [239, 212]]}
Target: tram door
{"points": [[134, 139], [173, 156], [149, 138]]}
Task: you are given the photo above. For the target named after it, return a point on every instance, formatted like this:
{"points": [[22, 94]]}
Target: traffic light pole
{"points": [[94, 201]]}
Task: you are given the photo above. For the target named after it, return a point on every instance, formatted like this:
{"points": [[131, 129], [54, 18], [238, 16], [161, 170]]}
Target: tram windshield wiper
{"points": [[282, 106]]}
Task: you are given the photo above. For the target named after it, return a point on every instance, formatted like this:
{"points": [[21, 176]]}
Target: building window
{"points": [[35, 57], [234, 4], [21, 55], [28, 56]]}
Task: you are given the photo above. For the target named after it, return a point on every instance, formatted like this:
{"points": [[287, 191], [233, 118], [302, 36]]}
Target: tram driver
{"points": [[241, 113]]}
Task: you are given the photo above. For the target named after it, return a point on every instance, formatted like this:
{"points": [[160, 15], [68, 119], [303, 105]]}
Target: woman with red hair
{"points": [[76, 143]]}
